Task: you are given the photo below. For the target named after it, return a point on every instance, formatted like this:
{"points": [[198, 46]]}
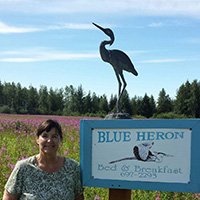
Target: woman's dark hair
{"points": [[48, 125]]}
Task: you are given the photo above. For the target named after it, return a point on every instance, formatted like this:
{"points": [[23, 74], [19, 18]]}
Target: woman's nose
{"points": [[49, 139]]}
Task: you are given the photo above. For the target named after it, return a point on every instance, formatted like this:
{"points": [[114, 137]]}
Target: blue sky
{"points": [[54, 43]]}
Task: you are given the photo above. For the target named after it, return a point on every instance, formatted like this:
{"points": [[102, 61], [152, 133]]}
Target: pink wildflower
{"points": [[67, 152], [97, 197], [12, 166], [3, 148], [72, 139], [8, 157], [6, 175]]}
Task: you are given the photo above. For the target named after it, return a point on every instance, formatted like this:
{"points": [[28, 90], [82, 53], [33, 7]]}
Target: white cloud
{"points": [[168, 23], [6, 29], [11, 29], [159, 24], [129, 7], [19, 60], [80, 26], [193, 41], [163, 60], [42, 54]]}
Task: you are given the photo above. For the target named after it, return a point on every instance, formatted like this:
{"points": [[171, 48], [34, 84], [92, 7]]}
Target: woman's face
{"points": [[49, 141]]}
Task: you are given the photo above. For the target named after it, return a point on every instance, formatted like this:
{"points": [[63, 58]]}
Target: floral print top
{"points": [[30, 182]]}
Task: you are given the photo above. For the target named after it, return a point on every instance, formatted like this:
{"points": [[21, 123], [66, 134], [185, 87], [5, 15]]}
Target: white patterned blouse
{"points": [[30, 182]]}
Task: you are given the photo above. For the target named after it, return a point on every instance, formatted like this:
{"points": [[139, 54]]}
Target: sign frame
{"points": [[86, 127]]}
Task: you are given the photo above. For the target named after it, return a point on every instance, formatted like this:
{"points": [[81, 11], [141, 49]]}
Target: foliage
{"points": [[74, 101], [188, 99], [146, 108], [169, 115], [17, 141], [126, 103], [164, 102]]}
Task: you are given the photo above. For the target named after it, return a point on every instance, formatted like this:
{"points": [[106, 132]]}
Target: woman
{"points": [[46, 176]]}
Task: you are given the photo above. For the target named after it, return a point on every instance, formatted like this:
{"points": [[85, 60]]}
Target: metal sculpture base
{"points": [[118, 116]]}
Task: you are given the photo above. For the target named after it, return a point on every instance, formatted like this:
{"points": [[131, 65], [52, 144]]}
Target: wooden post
{"points": [[119, 194]]}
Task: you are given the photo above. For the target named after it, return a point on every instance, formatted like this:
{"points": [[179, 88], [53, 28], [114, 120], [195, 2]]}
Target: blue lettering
{"points": [[137, 168], [141, 135], [107, 168], [100, 167], [160, 135], [115, 136], [101, 137], [151, 135], [127, 136], [107, 132], [169, 135], [180, 134], [118, 136]]}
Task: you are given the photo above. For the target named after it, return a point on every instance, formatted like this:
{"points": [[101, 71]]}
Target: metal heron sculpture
{"points": [[119, 61]]}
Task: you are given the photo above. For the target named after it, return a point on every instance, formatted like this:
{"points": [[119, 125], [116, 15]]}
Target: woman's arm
{"points": [[80, 197], [8, 196]]}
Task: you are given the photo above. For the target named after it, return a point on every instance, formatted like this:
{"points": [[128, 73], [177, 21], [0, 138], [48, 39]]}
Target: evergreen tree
{"points": [[15, 99], [95, 103], [21, 100], [146, 109], [164, 102], [139, 106], [126, 103], [103, 104], [134, 105], [24, 101], [1, 94], [69, 103], [32, 103], [43, 100], [195, 99], [88, 103], [9, 92], [112, 103], [152, 104], [56, 103], [183, 102], [79, 100]]}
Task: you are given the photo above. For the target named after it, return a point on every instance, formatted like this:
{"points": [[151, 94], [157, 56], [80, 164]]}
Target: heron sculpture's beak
{"points": [[99, 27], [108, 32]]}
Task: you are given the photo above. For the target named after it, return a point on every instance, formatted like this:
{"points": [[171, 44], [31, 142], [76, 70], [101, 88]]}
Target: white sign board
{"points": [[161, 155], [147, 154]]}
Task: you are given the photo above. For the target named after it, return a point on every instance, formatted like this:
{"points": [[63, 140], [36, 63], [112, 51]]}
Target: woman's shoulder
{"points": [[71, 163], [25, 162]]}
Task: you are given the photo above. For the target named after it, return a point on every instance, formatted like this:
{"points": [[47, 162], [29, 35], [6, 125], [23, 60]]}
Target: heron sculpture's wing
{"points": [[120, 61]]}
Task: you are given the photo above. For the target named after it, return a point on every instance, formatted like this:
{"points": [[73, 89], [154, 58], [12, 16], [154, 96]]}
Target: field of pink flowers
{"points": [[17, 141]]}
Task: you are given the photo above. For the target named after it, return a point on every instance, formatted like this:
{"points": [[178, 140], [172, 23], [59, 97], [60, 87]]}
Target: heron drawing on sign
{"points": [[143, 153], [119, 61]]}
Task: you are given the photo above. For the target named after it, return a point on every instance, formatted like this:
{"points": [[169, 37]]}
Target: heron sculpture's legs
{"points": [[124, 84], [119, 90]]}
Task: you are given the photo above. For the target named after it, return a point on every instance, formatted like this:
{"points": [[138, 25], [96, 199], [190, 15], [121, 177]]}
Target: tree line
{"points": [[74, 101]]}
